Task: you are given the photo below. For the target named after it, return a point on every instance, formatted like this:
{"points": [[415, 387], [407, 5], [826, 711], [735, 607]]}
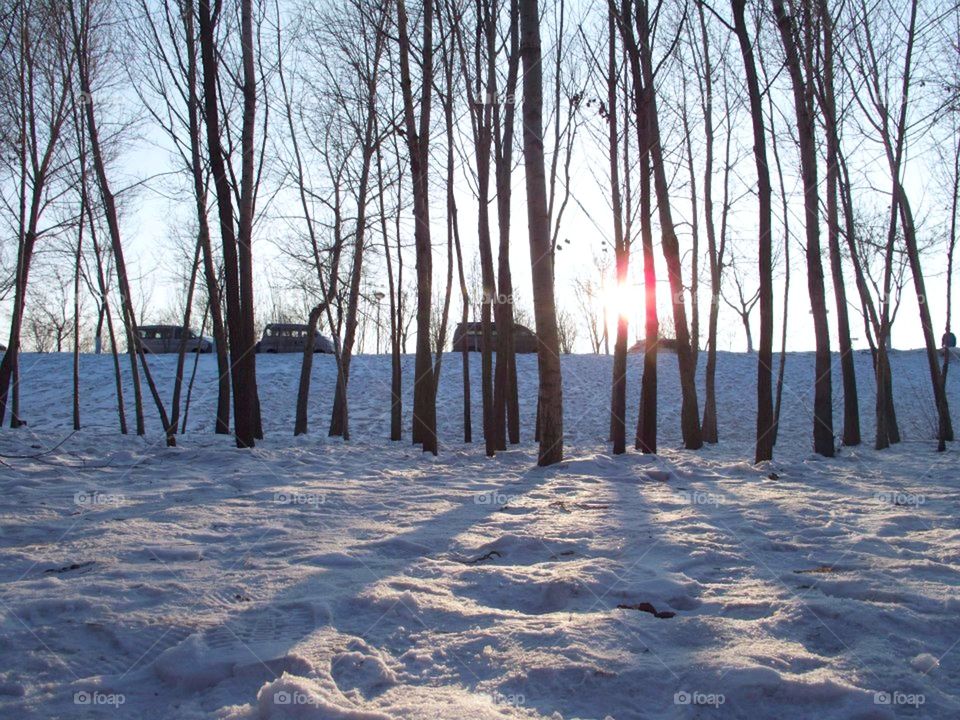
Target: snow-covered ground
{"points": [[310, 578]]}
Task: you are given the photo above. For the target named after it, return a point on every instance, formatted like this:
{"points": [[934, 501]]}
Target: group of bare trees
{"points": [[339, 127], [840, 81]]}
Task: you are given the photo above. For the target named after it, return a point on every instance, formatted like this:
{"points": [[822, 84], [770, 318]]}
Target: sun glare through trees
{"points": [[389, 359]]}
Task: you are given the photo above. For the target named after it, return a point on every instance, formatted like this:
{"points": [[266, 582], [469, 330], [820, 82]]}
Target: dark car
{"points": [[471, 336], [291, 337], [167, 338]]}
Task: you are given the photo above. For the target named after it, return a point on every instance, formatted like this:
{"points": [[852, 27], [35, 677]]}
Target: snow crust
{"points": [[314, 579]]}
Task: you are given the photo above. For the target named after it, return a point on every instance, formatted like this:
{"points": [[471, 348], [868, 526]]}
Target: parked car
{"points": [[290, 337], [166, 339], [524, 339]]}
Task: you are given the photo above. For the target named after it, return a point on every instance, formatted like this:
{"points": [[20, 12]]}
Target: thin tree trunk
{"points": [[766, 427], [248, 358], [945, 426], [689, 412], [396, 419], [618, 404], [506, 397], [222, 426], [851, 406], [184, 333], [76, 321], [951, 248], [81, 39], [102, 285], [244, 405], [418, 141], [802, 95], [541, 256], [193, 375]]}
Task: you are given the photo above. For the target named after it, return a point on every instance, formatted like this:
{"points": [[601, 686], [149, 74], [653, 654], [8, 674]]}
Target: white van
{"points": [[166, 339], [290, 337]]}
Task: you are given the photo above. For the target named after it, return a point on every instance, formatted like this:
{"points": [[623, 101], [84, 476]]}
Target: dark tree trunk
{"points": [[184, 334], [76, 319], [618, 403], [823, 443], [222, 426], [851, 405], [418, 139], [646, 438], [765, 418], [541, 256], [506, 397], [245, 403], [646, 433], [945, 426], [689, 412], [248, 190]]}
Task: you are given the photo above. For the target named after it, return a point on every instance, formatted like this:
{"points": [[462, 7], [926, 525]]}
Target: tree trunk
{"points": [[184, 334], [802, 96], [81, 44], [248, 358], [646, 437], [851, 406], [541, 255], [765, 417], [689, 412], [396, 419], [76, 321], [244, 405], [618, 401], [506, 398], [945, 426], [197, 169], [418, 141]]}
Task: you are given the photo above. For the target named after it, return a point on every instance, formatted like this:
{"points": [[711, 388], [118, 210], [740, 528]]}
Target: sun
{"points": [[621, 299]]}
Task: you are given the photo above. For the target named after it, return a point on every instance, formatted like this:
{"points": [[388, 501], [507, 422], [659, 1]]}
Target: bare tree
{"points": [[171, 74], [481, 87], [800, 69], [743, 304], [639, 48], [505, 394], [622, 238], [87, 26], [453, 222], [828, 108], [567, 330], [37, 96], [418, 144], [550, 413], [235, 234]]}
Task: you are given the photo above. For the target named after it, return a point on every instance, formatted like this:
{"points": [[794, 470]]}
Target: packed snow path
{"points": [[316, 579]]}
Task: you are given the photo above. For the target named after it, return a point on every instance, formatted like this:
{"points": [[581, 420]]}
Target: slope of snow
{"points": [[311, 578]]}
